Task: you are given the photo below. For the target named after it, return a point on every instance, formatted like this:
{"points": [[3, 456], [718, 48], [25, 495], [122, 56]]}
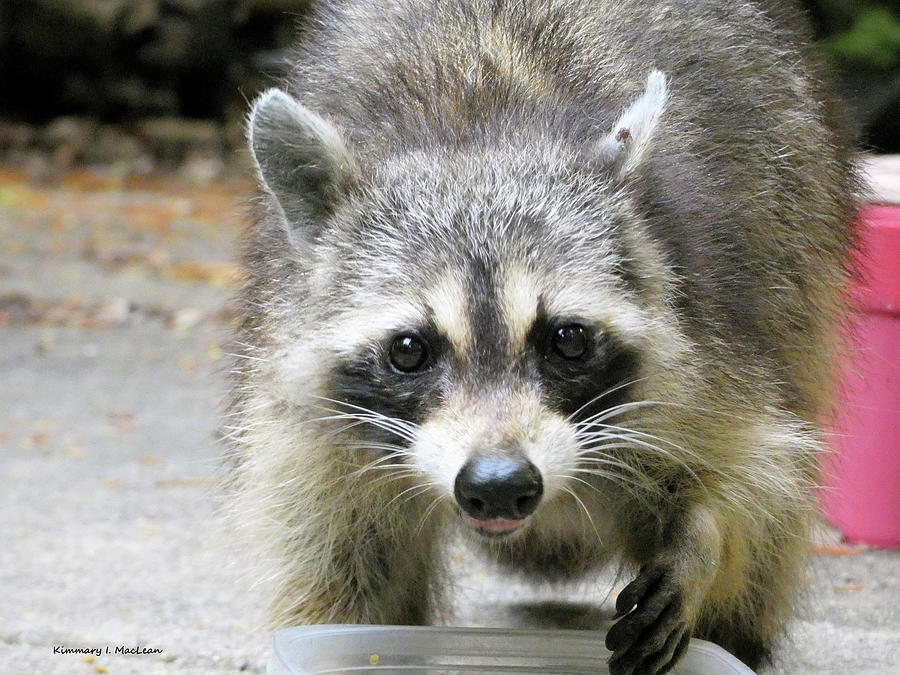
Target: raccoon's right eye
{"points": [[408, 354], [570, 341]]}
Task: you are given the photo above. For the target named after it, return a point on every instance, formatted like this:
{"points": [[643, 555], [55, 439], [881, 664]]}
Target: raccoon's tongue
{"points": [[495, 525]]}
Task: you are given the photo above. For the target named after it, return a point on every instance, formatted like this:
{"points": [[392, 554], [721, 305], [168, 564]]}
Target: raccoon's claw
{"points": [[652, 634]]}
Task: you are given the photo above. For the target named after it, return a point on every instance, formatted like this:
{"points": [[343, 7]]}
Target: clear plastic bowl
{"points": [[308, 650]]}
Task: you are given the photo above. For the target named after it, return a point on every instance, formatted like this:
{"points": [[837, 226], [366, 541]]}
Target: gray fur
{"points": [[471, 178]]}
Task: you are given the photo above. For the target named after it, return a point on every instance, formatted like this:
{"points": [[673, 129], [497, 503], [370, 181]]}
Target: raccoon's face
{"points": [[479, 322], [486, 333]]}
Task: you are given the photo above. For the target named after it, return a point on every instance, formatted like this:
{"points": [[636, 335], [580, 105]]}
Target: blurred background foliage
{"points": [[861, 43], [872, 41], [186, 68]]}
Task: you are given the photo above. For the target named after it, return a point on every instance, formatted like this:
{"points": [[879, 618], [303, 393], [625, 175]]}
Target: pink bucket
{"points": [[862, 477]]}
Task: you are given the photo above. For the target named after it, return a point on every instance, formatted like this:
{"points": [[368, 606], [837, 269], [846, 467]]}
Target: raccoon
{"points": [[563, 274]]}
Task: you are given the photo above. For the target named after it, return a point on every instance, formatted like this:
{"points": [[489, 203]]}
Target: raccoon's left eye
{"points": [[570, 341], [408, 353]]}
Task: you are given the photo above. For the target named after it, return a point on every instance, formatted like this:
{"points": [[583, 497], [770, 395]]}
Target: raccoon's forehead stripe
{"points": [[491, 335], [447, 303], [519, 301]]}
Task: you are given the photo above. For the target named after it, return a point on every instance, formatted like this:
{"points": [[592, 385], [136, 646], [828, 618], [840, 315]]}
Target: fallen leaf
{"points": [[187, 363], [214, 273], [849, 588], [35, 440], [186, 482], [122, 420]]}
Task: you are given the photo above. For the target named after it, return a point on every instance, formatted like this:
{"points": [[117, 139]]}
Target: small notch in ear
{"points": [[625, 147], [301, 159]]}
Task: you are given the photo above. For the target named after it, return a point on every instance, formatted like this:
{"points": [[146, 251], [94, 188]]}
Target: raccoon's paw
{"points": [[653, 633]]}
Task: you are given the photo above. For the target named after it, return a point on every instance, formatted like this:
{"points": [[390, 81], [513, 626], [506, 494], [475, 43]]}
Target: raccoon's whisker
{"points": [[623, 407], [245, 409], [392, 476], [604, 474], [385, 453], [367, 445], [636, 490], [570, 492], [634, 486], [673, 404], [235, 434], [631, 433], [340, 430], [634, 442], [245, 345], [591, 440], [403, 472], [635, 439], [409, 426], [628, 436], [423, 488], [607, 392], [376, 464], [393, 453], [630, 486], [396, 459], [639, 490], [601, 473], [381, 462], [615, 466], [245, 427], [620, 409], [359, 422], [235, 355], [591, 443], [382, 422], [388, 474], [428, 512], [419, 487], [385, 423], [396, 471], [597, 456]]}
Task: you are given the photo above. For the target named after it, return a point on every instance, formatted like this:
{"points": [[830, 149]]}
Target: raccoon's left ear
{"points": [[301, 159], [626, 145]]}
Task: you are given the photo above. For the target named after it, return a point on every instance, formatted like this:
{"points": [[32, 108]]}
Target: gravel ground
{"points": [[112, 316]]}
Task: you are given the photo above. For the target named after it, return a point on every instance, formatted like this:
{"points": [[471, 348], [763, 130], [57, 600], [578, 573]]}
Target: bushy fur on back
{"points": [[669, 175]]}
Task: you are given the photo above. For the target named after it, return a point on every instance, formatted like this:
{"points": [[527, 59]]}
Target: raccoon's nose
{"points": [[498, 487]]}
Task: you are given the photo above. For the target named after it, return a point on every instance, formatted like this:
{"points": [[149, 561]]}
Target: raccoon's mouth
{"points": [[495, 527]]}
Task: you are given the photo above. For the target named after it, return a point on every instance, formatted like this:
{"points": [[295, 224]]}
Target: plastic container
{"points": [[308, 650], [862, 497]]}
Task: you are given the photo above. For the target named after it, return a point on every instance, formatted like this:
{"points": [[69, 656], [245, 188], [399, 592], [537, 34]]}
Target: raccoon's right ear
{"points": [[301, 159], [625, 147]]}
